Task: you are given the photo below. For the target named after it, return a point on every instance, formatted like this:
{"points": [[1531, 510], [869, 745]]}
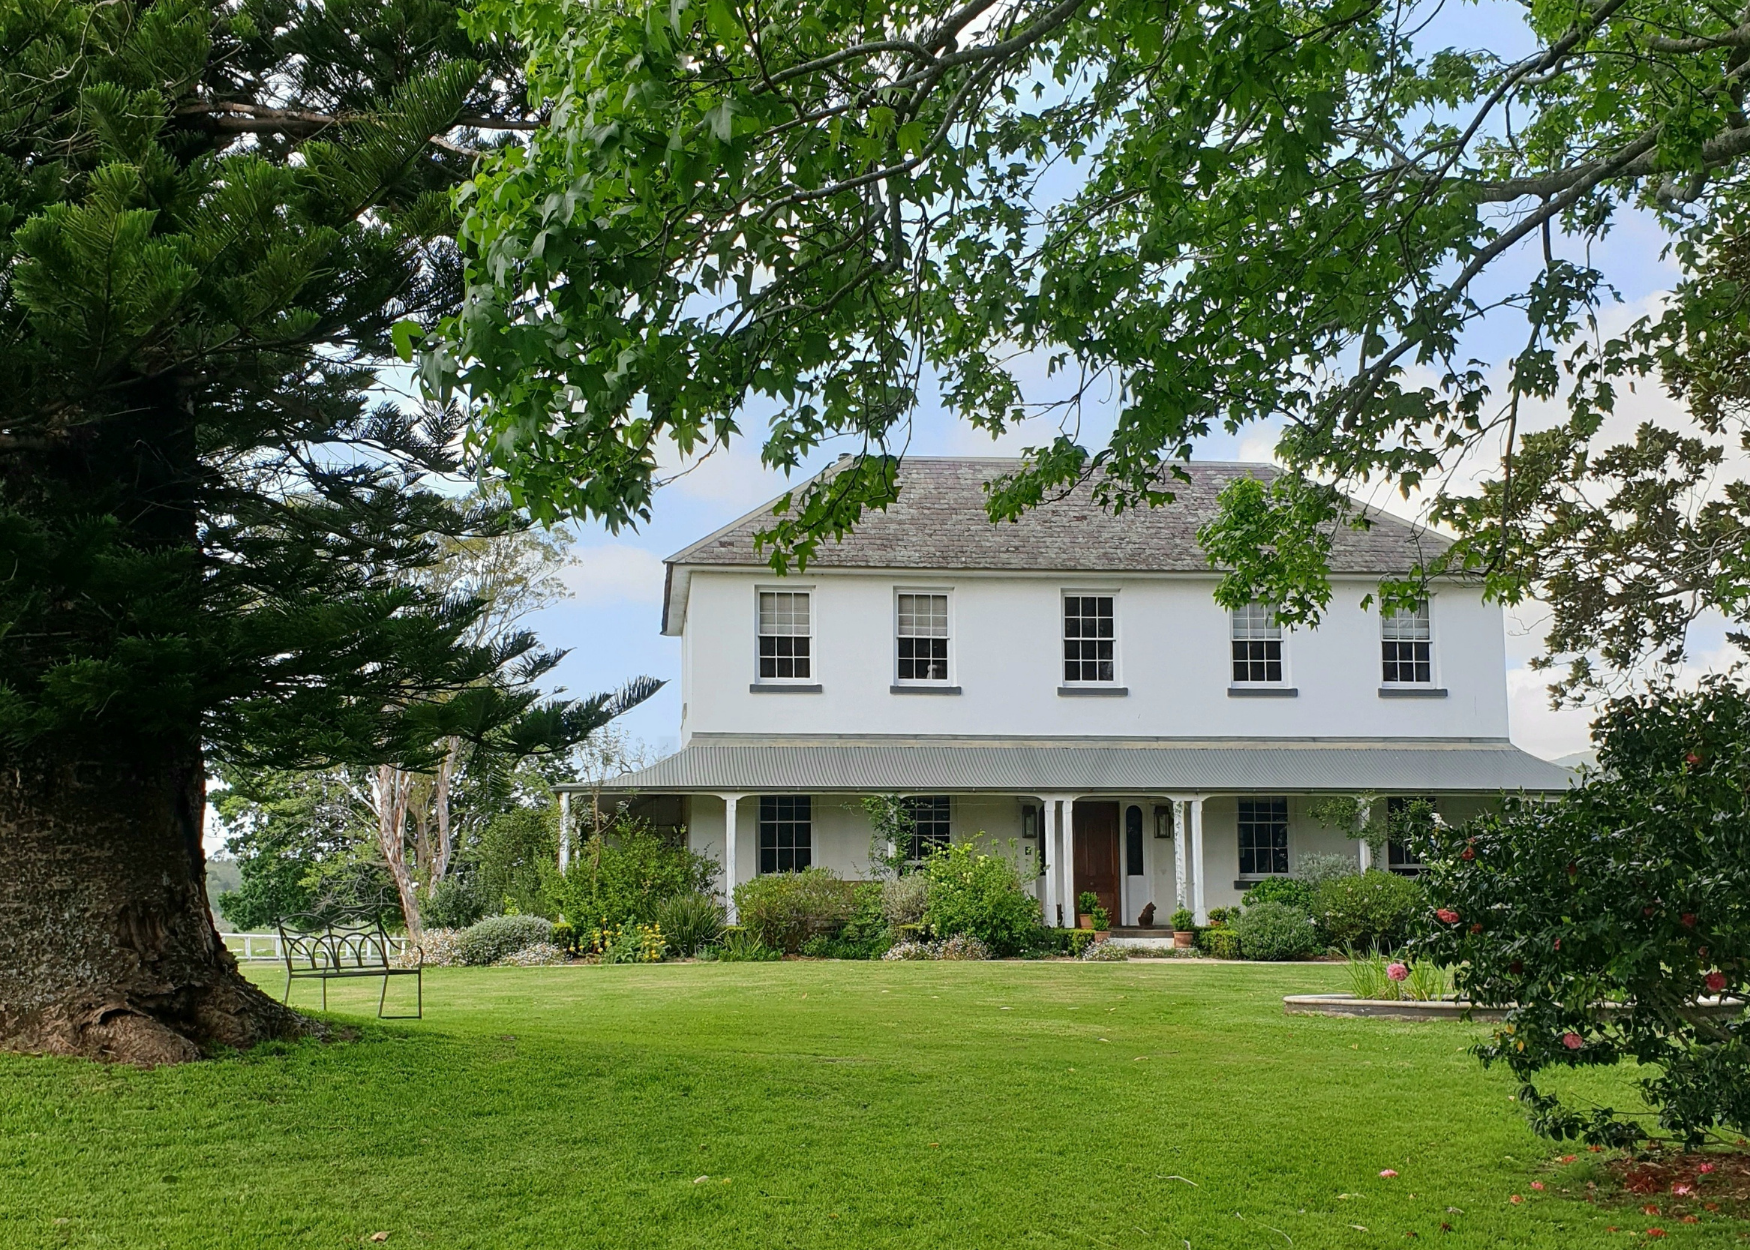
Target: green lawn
{"points": [[1149, 1104]]}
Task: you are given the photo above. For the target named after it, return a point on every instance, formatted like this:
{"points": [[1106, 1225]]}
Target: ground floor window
{"points": [[929, 824], [1263, 837], [1406, 817], [786, 832]]}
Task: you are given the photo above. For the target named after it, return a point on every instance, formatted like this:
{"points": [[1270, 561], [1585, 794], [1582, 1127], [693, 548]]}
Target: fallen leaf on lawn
{"points": [[379, 1237], [1189, 1182], [700, 1180], [1360, 1228], [1454, 1211], [1515, 1199]]}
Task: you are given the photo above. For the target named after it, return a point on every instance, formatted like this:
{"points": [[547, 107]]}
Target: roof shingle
{"points": [[939, 522]]}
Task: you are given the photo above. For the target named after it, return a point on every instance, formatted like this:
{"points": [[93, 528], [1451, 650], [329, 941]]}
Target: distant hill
{"points": [[1579, 759]]}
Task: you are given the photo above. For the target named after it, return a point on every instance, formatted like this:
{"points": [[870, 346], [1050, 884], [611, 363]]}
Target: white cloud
{"points": [[615, 572], [1535, 726]]}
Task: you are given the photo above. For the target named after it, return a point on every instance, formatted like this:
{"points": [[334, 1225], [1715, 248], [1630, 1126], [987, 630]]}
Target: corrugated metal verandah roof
{"points": [[733, 763]]}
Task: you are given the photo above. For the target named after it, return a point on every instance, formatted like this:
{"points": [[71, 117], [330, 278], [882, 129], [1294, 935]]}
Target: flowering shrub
{"points": [[631, 944], [540, 955], [497, 936], [785, 909], [442, 947], [1601, 918], [1104, 952], [981, 896], [1276, 931], [904, 900], [958, 947], [1371, 909]]}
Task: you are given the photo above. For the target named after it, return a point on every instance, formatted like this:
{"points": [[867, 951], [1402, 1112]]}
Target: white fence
{"points": [[266, 946]]}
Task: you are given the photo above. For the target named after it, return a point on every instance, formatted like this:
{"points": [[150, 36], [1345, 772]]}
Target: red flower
{"points": [[1447, 916], [1558, 943], [1476, 928], [1655, 1232], [1688, 919], [1716, 981], [1573, 1041], [1701, 952], [1467, 853], [1692, 759], [1706, 1167]]}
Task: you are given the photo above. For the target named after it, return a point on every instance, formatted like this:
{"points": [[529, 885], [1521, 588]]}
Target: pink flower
{"points": [[1682, 1187], [1716, 981], [1516, 1199], [1706, 1167], [1447, 915], [1387, 1173], [1537, 1184], [1573, 1041], [1397, 972]]}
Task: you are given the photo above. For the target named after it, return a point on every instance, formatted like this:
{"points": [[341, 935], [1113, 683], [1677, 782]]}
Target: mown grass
{"points": [[1149, 1104]]}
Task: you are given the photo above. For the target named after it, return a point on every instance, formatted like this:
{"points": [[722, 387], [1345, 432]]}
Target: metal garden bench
{"points": [[353, 944]]}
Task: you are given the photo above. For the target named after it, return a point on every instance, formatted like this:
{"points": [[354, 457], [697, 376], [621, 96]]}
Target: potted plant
{"points": [[1086, 901], [1184, 928], [1102, 922]]}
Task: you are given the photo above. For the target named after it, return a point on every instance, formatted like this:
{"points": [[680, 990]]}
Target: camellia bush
{"points": [[1613, 920]]}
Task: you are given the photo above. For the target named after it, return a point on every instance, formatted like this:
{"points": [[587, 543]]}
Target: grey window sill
{"points": [[1246, 883], [899, 689], [1411, 692], [1092, 692], [773, 687], [1262, 692]]}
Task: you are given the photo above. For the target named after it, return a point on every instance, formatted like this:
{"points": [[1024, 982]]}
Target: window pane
{"points": [[930, 824], [1406, 817], [1257, 644], [1088, 638], [784, 640], [786, 832], [1406, 644], [923, 638], [1133, 841], [1263, 830]]}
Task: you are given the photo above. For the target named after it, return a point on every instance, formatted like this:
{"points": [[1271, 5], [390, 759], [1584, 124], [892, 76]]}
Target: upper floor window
{"points": [[1263, 826], [786, 832], [929, 824], [1257, 645], [1406, 647], [923, 637], [1088, 639], [785, 634]]}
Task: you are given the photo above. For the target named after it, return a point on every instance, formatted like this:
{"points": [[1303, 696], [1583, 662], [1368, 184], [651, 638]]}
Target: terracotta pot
{"points": [[1084, 922], [1184, 938], [1100, 935]]}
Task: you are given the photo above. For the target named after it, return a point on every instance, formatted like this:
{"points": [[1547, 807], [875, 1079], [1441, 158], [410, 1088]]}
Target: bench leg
{"points": [[287, 999], [324, 993], [419, 999]]}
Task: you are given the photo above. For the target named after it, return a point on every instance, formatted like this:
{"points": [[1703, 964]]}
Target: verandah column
{"points": [[1181, 855], [1363, 850], [730, 880], [1066, 867], [1196, 850], [1048, 846]]}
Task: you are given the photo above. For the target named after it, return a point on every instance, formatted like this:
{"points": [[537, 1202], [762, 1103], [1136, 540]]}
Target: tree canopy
{"points": [[1297, 211]]}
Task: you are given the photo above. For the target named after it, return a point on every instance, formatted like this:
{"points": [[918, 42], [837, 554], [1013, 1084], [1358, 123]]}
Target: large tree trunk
{"points": [[107, 948]]}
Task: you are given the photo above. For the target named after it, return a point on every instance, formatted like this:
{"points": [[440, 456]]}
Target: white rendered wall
{"points": [[1005, 655]]}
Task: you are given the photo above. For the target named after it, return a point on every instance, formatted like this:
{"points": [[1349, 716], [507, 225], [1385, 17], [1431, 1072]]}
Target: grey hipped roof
{"points": [[939, 522], [732, 763]]}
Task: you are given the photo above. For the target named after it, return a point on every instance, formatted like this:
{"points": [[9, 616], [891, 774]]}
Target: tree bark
{"points": [[391, 789], [107, 945]]}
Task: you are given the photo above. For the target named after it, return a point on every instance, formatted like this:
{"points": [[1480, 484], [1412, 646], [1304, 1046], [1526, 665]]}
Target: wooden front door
{"points": [[1095, 827]]}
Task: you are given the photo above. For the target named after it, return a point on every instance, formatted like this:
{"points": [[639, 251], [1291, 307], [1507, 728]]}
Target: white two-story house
{"points": [[1068, 686]]}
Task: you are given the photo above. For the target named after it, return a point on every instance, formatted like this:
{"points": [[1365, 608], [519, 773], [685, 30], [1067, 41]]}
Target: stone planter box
{"points": [[1386, 1008], [1437, 1009]]}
